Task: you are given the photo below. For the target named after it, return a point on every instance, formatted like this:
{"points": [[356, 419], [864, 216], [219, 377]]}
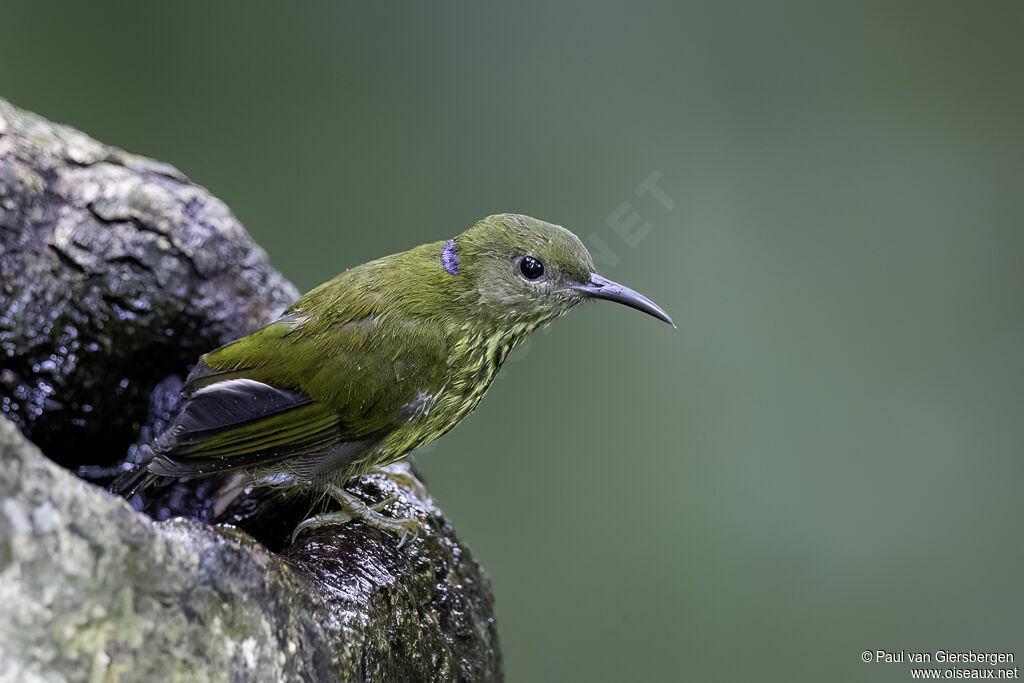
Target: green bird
{"points": [[375, 363]]}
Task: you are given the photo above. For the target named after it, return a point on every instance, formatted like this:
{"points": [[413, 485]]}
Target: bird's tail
{"points": [[133, 481]]}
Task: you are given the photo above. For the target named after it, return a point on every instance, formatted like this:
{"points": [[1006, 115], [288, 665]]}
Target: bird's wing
{"points": [[241, 423], [245, 404]]}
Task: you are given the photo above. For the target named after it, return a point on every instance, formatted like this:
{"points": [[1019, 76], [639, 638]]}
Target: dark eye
{"points": [[531, 268]]}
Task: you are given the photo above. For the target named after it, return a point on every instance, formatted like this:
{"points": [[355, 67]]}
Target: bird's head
{"points": [[528, 272]]}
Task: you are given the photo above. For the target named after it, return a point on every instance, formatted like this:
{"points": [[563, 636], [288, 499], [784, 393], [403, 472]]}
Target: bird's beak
{"points": [[603, 288]]}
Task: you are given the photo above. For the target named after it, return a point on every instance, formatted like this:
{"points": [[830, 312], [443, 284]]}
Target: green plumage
{"points": [[380, 360]]}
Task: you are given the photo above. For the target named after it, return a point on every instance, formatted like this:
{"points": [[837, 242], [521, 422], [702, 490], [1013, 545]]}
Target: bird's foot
{"points": [[353, 507]]}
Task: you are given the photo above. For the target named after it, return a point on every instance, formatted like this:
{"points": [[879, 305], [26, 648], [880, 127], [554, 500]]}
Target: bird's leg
{"points": [[353, 507]]}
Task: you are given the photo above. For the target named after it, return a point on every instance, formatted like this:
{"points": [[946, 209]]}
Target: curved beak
{"points": [[603, 288]]}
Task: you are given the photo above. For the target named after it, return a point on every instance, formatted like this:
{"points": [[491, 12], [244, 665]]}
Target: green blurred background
{"points": [[825, 458]]}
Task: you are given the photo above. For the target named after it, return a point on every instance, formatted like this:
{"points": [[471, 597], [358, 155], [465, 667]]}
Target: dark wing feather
{"points": [[241, 423], [227, 404]]}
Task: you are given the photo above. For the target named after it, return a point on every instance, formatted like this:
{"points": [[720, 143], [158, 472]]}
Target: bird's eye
{"points": [[531, 268]]}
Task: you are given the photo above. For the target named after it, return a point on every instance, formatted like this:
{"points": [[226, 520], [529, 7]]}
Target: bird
{"points": [[373, 364]]}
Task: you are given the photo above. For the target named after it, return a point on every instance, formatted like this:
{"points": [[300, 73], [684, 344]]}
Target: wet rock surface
{"points": [[94, 591], [116, 273]]}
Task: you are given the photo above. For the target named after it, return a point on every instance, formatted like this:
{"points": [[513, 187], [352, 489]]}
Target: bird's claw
{"points": [[354, 508], [317, 521]]}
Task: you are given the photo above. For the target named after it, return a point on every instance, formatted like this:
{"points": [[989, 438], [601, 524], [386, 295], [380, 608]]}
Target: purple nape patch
{"points": [[449, 258]]}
